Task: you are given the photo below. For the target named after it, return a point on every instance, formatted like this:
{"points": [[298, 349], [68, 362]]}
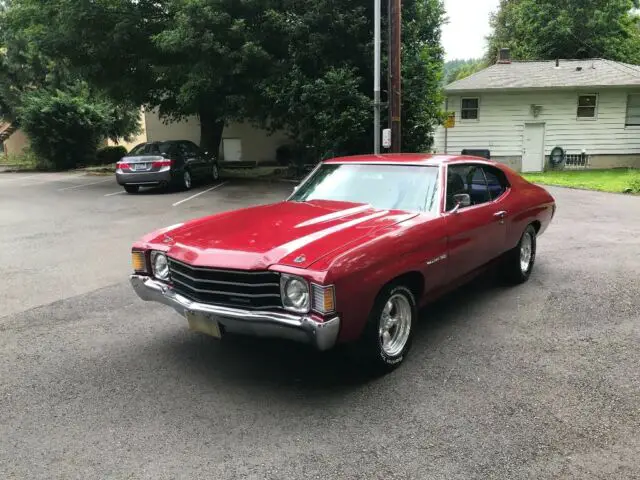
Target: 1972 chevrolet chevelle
{"points": [[351, 256]]}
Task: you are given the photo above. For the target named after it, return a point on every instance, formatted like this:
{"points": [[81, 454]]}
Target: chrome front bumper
{"points": [[300, 328]]}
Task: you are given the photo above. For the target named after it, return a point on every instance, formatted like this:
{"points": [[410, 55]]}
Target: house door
{"points": [[232, 149], [533, 151]]}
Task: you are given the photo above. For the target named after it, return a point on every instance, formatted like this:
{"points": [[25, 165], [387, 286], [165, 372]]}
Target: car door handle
{"points": [[501, 214]]}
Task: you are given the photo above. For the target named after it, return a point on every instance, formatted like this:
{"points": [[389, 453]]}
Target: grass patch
{"points": [[26, 161], [617, 180]]}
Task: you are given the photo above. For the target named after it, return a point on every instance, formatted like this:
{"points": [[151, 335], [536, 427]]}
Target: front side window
{"points": [[587, 106], [410, 188], [633, 110], [470, 109]]}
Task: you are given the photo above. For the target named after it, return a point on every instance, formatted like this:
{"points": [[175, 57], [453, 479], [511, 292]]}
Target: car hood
{"points": [[287, 233]]}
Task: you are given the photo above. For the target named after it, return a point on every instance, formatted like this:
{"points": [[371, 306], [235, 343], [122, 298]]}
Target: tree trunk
{"points": [[210, 133]]}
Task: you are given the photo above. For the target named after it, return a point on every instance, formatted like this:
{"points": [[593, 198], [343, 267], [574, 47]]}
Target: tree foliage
{"points": [[304, 66], [459, 69], [64, 117], [577, 29]]}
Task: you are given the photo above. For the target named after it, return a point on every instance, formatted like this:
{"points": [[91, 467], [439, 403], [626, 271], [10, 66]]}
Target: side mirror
{"points": [[462, 200]]}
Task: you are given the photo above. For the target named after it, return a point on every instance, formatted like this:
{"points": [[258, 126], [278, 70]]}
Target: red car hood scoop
{"points": [[287, 233]]}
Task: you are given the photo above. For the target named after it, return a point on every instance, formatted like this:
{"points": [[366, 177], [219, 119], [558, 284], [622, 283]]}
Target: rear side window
{"points": [[497, 181]]}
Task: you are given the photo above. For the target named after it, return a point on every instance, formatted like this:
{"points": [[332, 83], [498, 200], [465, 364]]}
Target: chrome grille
{"points": [[234, 288]]}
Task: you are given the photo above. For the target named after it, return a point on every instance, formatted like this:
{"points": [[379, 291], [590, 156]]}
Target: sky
{"points": [[464, 35]]}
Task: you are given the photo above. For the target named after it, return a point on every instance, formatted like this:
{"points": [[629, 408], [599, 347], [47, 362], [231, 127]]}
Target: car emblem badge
{"points": [[167, 239], [299, 259]]}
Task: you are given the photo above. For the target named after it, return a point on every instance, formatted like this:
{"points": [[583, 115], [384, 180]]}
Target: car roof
{"points": [[410, 159]]}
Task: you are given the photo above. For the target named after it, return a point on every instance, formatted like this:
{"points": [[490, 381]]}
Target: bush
{"points": [[66, 127], [27, 160], [109, 155]]}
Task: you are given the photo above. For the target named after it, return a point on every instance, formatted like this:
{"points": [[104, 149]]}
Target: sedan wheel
{"points": [[387, 337], [215, 172], [186, 180]]}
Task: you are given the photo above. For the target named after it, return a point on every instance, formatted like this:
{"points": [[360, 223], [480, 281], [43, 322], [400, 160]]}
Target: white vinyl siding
{"points": [[633, 110], [501, 125]]}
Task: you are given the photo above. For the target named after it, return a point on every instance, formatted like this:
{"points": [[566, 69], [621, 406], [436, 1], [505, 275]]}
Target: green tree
{"points": [[321, 89], [64, 118], [300, 65], [550, 29], [459, 69]]}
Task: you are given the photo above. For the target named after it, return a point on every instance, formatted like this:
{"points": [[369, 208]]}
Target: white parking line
{"points": [[200, 193], [22, 178], [51, 180], [114, 193], [85, 185]]}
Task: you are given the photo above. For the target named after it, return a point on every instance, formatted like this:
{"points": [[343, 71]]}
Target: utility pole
{"points": [[376, 75], [395, 79]]}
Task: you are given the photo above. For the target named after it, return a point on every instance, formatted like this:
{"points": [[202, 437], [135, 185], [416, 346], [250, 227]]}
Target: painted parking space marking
{"points": [[51, 180], [199, 193], [119, 192], [85, 185]]}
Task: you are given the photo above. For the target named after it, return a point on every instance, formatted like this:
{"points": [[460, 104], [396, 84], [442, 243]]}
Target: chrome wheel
{"points": [[215, 173], [186, 180], [395, 325], [526, 252]]}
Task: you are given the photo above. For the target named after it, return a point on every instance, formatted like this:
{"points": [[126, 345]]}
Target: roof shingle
{"points": [[538, 75]]}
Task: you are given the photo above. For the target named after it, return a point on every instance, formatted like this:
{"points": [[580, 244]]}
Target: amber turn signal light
{"points": [[324, 298], [138, 261]]}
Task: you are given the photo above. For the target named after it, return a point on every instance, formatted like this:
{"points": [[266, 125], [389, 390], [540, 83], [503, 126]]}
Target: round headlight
{"points": [[296, 294], [160, 266]]}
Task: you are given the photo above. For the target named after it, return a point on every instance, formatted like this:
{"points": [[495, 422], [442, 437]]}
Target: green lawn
{"points": [[618, 180]]}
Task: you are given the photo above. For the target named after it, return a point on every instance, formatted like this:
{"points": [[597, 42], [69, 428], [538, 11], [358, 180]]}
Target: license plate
{"points": [[140, 166], [207, 324]]}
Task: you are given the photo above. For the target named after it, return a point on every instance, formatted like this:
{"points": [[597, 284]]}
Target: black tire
{"points": [[132, 188], [514, 269], [215, 172], [369, 349], [186, 180]]}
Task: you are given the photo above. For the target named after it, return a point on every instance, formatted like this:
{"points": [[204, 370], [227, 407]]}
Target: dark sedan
{"points": [[174, 163]]}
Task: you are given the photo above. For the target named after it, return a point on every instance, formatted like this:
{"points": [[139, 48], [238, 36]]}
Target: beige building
{"points": [[240, 141]]}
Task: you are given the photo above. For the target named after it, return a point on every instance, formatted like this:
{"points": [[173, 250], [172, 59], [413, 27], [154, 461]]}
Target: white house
{"points": [[521, 111]]}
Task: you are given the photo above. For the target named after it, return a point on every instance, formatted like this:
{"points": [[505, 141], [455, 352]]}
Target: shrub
{"points": [[66, 127], [109, 155], [634, 184]]}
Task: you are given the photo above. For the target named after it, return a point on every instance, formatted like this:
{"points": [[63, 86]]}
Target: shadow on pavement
{"points": [[248, 360]]}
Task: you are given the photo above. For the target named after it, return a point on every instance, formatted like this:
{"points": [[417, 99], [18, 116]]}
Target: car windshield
{"points": [[156, 148], [389, 187]]}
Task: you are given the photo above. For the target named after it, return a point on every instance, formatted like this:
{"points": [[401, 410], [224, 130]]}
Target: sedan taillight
{"points": [[162, 163], [122, 165]]}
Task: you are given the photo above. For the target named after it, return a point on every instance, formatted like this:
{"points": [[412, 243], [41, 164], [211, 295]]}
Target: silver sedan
{"points": [[174, 163]]}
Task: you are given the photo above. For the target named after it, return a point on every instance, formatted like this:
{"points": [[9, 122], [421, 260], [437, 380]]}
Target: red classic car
{"points": [[351, 255]]}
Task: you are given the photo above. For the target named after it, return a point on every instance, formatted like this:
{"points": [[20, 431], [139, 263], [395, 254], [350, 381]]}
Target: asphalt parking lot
{"points": [[537, 381]]}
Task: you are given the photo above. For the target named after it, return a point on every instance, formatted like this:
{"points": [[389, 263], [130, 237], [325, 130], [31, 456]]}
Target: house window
{"points": [[470, 108], [587, 105], [633, 110]]}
